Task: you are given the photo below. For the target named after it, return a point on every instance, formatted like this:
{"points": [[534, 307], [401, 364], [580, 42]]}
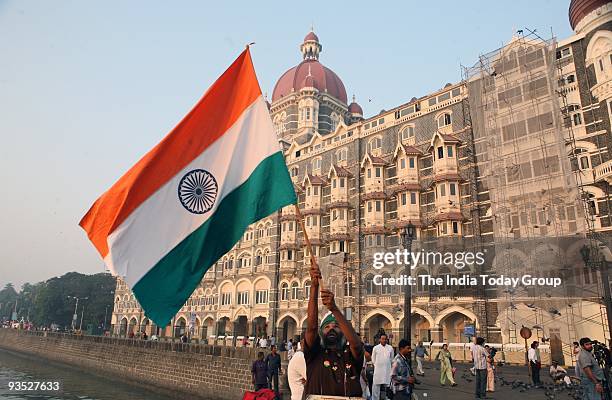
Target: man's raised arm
{"points": [[313, 304], [327, 297]]}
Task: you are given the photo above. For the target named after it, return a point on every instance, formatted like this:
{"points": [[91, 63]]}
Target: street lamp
{"points": [[408, 236], [75, 316]]}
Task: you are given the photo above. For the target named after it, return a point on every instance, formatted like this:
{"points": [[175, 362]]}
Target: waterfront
{"points": [[73, 384]]}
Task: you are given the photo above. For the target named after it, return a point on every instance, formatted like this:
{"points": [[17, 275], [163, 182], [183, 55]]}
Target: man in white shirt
{"points": [[382, 357], [296, 374], [535, 363], [263, 343], [558, 373], [479, 355]]}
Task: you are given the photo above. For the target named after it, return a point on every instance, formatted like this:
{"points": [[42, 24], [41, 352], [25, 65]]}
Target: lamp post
{"points": [[603, 257], [408, 236], [76, 306]]}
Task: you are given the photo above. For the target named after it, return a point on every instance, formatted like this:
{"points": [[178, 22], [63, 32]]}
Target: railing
{"points": [[603, 171]]}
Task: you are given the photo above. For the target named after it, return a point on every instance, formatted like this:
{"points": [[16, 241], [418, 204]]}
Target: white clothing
{"points": [[533, 355], [382, 357], [296, 371], [376, 389], [419, 361], [263, 343]]}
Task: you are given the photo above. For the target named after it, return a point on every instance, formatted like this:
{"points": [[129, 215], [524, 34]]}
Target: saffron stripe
{"points": [[212, 116]]}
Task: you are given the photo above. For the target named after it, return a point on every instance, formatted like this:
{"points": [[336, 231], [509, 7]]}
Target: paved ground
{"points": [[512, 382]]}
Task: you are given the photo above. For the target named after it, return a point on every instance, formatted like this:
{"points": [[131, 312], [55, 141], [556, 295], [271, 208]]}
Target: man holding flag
{"points": [[185, 204]]}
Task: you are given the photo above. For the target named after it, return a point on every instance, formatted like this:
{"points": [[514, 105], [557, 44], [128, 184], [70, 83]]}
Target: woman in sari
{"points": [[490, 371], [446, 366]]}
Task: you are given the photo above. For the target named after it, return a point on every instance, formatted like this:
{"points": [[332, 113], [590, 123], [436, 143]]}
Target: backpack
{"points": [[262, 394]]}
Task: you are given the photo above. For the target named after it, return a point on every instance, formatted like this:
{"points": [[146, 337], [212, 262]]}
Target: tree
{"points": [[8, 296]]}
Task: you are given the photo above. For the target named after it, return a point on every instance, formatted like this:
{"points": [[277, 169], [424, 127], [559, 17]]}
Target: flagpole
{"points": [[308, 244]]}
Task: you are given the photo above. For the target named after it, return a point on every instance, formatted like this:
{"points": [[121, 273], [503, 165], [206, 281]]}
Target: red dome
{"points": [[311, 36], [355, 108], [324, 79], [579, 9]]}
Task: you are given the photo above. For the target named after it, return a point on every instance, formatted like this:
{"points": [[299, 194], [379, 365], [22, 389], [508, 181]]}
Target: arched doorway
{"points": [[222, 326], [133, 326], [241, 326], [375, 325], [180, 327], [260, 327], [123, 327], [420, 327], [453, 326], [208, 328], [287, 328]]}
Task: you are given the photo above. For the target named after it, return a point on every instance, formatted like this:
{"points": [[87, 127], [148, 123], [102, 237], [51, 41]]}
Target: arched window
{"points": [[583, 158], [407, 132], [374, 144], [369, 284], [341, 155], [386, 289], [348, 286], [294, 171], [284, 291], [444, 120], [316, 164], [421, 287], [335, 120], [307, 290], [295, 287], [443, 273]]}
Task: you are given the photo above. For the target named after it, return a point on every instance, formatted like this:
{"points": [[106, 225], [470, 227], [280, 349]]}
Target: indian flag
{"points": [[185, 204]]}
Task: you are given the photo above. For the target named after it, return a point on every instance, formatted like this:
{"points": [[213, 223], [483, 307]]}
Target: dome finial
{"points": [[311, 47], [353, 97]]}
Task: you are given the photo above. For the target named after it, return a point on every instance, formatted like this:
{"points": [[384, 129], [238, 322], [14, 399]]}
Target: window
{"points": [[455, 227], [308, 114], [442, 190], [316, 163], [284, 291], [369, 285], [378, 172], [243, 298], [444, 120], [369, 206], [402, 163], [378, 205], [379, 240], [226, 299], [386, 289], [342, 154], [334, 183], [315, 190], [584, 162], [369, 172], [261, 297], [294, 290], [452, 189], [577, 119], [570, 79], [348, 286], [413, 198], [404, 198], [411, 162], [294, 171], [449, 151], [440, 153], [307, 290], [407, 132], [374, 144], [341, 182]]}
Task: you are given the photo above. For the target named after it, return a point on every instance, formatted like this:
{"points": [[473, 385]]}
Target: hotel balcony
{"points": [[603, 172]]}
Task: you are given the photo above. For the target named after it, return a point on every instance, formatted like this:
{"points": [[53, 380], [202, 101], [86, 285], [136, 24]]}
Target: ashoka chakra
{"points": [[197, 191]]}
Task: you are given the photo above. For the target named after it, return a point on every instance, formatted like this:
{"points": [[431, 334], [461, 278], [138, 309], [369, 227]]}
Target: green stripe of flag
{"points": [[168, 285]]}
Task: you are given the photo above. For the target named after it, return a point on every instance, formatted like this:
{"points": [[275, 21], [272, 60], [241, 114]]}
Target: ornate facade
{"points": [[435, 162]]}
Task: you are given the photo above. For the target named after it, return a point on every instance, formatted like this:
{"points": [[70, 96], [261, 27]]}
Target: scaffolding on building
{"points": [[522, 145]]}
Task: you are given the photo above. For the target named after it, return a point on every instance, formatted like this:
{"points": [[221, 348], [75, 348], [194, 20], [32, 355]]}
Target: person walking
{"points": [[402, 376], [273, 360], [479, 355], [535, 363], [419, 354], [296, 374], [446, 366], [382, 356], [591, 374], [490, 369], [259, 372], [367, 372]]}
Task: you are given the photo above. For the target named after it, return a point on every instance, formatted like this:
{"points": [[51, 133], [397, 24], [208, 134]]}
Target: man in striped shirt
{"points": [[479, 355]]}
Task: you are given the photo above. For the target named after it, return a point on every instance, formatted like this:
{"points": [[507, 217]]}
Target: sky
{"points": [[87, 88]]}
